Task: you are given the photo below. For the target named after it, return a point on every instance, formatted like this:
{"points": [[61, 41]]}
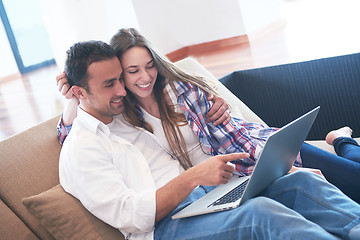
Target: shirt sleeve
{"points": [[62, 131]]}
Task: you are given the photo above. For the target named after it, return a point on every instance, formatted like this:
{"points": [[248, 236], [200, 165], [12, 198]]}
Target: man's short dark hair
{"points": [[80, 56]]}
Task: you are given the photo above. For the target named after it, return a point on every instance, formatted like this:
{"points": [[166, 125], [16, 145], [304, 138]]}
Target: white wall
{"points": [[70, 21], [260, 14], [7, 61], [171, 25]]}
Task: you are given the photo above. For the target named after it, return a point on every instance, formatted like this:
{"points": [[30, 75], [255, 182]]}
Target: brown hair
{"points": [[124, 40]]}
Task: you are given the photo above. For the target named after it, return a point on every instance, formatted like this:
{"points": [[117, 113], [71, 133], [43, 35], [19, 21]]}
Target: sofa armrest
{"points": [[29, 164]]}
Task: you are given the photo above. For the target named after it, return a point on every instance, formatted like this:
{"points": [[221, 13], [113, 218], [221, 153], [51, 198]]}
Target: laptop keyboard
{"points": [[231, 196]]}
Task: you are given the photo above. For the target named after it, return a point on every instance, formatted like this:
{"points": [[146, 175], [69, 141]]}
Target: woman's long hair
{"points": [[124, 40]]}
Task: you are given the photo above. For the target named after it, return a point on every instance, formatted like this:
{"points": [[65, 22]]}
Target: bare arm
{"points": [[212, 172], [70, 110]]}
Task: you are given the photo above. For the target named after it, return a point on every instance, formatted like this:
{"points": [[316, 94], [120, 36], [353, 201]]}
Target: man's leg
{"points": [[341, 172], [258, 218], [318, 201]]}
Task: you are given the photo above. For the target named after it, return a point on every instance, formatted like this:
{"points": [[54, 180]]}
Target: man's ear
{"points": [[79, 92]]}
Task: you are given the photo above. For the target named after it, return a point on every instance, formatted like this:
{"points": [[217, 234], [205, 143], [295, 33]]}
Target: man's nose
{"points": [[120, 89]]}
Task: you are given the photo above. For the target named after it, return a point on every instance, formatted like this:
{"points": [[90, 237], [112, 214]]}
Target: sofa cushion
{"points": [[66, 218]]}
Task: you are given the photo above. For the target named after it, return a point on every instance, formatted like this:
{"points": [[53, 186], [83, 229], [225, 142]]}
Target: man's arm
{"points": [[212, 172], [108, 183]]}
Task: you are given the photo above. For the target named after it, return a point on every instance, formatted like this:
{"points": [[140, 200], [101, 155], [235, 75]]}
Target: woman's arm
{"points": [[70, 110], [72, 103]]}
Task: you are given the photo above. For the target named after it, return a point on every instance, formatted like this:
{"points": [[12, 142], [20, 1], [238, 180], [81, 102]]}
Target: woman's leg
{"points": [[347, 148], [342, 172]]}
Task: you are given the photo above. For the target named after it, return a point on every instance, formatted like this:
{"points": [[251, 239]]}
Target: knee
{"points": [[261, 204], [264, 208]]}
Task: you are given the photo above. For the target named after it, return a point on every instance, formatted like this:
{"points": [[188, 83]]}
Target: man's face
{"points": [[107, 90]]}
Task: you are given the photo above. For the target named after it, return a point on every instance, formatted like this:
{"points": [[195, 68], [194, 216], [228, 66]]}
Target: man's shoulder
{"points": [[80, 137]]}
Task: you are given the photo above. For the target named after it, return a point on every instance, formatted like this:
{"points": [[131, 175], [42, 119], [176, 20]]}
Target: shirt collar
{"points": [[91, 123]]}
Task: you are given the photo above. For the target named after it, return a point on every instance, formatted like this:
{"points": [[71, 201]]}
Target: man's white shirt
{"points": [[110, 177]]}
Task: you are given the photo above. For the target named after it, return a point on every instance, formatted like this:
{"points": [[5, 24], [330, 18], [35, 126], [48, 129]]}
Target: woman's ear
{"points": [[79, 92]]}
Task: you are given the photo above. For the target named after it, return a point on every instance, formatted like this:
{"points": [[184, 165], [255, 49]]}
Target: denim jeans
{"points": [[300, 205], [347, 148], [344, 173]]}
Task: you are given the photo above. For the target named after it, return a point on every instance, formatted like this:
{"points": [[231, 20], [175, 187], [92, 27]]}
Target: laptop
{"points": [[276, 159]]}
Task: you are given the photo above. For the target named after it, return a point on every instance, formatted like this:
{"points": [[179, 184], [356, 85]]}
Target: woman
{"points": [[165, 100]]}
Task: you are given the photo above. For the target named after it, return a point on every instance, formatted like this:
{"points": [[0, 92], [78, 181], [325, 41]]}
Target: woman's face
{"points": [[139, 72]]}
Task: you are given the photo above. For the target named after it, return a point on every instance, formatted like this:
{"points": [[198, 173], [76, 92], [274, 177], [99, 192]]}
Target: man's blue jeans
{"points": [[300, 205]]}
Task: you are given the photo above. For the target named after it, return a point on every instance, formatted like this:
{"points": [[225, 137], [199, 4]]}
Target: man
{"points": [[102, 166]]}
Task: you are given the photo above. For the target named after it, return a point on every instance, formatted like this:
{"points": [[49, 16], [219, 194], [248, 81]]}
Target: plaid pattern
{"points": [[62, 131], [236, 136]]}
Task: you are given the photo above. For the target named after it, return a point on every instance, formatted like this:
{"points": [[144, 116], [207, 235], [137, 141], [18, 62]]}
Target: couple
{"points": [[134, 161]]}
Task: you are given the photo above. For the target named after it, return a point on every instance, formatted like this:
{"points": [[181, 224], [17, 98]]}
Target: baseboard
{"points": [[206, 47]]}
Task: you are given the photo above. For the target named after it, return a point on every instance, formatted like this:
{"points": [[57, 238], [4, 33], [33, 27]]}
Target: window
{"points": [[27, 34]]}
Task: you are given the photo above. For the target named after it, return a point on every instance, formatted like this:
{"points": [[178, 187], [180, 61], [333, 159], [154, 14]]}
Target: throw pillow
{"points": [[65, 217]]}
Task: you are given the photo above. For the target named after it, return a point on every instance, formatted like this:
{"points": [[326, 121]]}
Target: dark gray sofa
{"points": [[286, 91]]}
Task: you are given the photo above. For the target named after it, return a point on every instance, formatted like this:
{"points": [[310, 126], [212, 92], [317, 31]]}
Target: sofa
{"points": [[289, 90], [32, 203]]}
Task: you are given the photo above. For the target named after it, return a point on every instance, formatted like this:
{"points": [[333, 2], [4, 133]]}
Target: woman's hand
{"points": [[70, 110], [316, 171], [219, 112], [64, 86]]}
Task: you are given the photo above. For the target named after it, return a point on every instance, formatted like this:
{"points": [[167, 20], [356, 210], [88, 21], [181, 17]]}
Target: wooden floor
{"points": [[311, 29]]}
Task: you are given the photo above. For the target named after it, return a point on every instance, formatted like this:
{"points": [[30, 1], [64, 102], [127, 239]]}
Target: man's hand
{"points": [[316, 171], [212, 172], [215, 170], [219, 112]]}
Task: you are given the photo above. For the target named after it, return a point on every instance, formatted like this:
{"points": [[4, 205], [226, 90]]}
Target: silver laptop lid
{"points": [[280, 150]]}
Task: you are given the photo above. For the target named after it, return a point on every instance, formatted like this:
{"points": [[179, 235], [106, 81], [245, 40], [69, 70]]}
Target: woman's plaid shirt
{"points": [[236, 136]]}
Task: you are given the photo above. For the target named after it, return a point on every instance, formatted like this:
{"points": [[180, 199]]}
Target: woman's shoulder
{"points": [[184, 87]]}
